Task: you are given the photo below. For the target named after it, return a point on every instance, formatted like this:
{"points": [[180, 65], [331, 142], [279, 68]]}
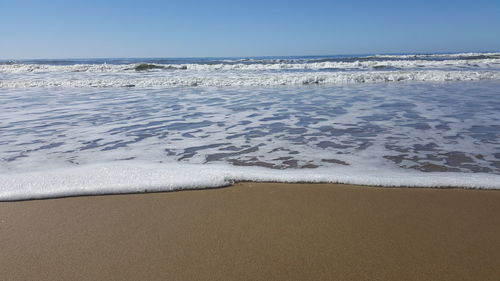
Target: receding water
{"points": [[430, 127], [93, 126]]}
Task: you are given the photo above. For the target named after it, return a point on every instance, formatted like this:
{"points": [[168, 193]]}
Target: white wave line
{"points": [[270, 79]]}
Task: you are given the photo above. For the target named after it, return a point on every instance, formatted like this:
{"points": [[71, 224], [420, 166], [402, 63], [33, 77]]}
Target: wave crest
{"points": [[271, 79], [325, 65]]}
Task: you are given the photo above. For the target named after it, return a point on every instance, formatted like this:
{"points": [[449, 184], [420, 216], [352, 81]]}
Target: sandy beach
{"points": [[256, 231], [249, 141]]}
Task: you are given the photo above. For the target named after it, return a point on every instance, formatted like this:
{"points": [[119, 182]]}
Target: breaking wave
{"points": [[249, 71], [325, 65], [249, 79]]}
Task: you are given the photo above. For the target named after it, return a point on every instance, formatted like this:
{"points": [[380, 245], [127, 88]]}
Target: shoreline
{"points": [[140, 177], [238, 183], [256, 231]]}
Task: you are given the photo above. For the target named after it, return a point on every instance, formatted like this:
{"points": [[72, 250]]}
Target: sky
{"points": [[148, 28]]}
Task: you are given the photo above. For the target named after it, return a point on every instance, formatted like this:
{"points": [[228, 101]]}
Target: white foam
{"points": [[223, 79], [444, 56], [256, 72], [376, 129], [135, 177], [40, 68], [283, 127], [340, 65]]}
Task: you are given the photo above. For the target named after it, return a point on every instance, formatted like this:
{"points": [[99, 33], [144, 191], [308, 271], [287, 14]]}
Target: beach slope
{"points": [[256, 231]]}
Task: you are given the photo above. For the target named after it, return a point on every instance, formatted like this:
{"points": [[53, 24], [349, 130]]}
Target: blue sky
{"points": [[90, 29]]}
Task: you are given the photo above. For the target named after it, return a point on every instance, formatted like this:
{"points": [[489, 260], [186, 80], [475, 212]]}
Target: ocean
{"points": [[100, 126]]}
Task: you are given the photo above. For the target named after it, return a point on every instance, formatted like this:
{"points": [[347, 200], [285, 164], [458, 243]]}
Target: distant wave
{"points": [[249, 71], [326, 65], [465, 56]]}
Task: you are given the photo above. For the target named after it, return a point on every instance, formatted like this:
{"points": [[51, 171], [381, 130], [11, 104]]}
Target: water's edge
{"points": [[139, 177]]}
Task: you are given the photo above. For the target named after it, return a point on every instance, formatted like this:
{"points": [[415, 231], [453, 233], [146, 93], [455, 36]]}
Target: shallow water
{"points": [[424, 126], [70, 127]]}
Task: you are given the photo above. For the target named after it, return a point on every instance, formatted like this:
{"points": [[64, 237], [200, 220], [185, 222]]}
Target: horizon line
{"points": [[264, 56]]}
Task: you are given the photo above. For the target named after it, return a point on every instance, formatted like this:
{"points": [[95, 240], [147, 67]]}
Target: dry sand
{"points": [[256, 231]]}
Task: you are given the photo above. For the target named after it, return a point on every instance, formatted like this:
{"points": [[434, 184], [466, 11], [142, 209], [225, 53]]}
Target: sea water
{"points": [[73, 127]]}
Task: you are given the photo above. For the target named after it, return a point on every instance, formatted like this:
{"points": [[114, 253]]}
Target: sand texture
{"points": [[256, 231]]}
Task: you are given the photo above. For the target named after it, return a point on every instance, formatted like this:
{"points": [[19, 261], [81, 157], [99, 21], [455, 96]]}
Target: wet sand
{"points": [[256, 231]]}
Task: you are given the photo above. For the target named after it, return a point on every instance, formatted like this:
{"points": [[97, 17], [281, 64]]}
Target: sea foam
{"points": [[250, 72], [172, 124], [136, 177], [222, 79]]}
